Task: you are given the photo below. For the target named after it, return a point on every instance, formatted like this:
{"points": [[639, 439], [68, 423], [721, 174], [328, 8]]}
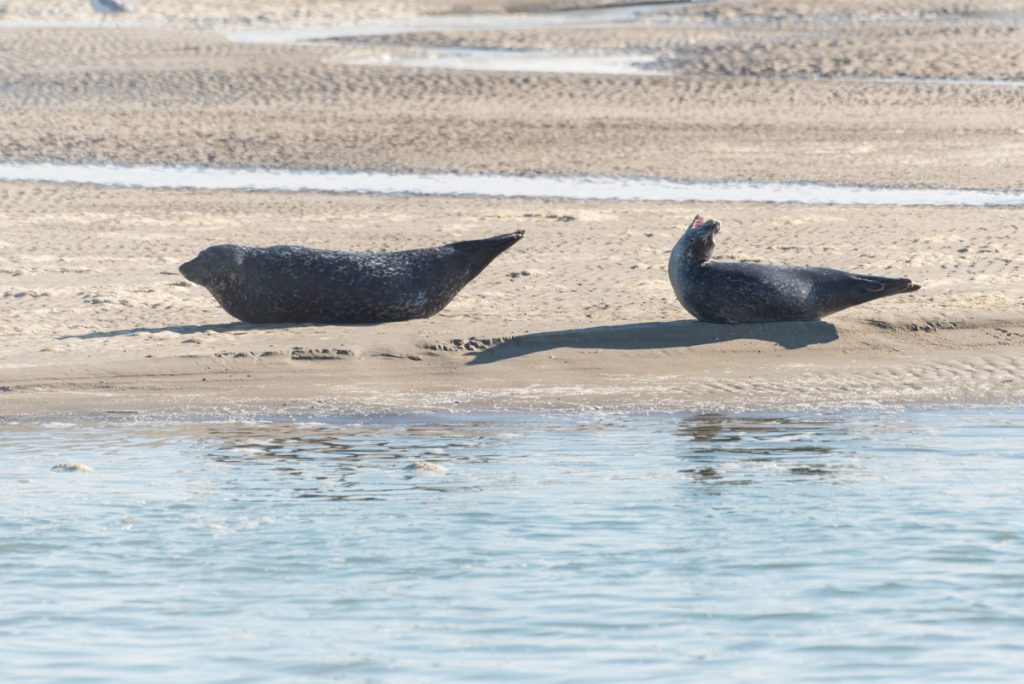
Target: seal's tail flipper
{"points": [[876, 286], [850, 289], [476, 254], [492, 245], [451, 267], [853, 289], [473, 256]]}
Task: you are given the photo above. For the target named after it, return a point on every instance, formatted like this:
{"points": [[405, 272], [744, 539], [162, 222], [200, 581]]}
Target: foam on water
{"points": [[496, 185]]}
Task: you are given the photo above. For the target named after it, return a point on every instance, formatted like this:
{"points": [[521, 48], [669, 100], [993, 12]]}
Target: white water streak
{"points": [[497, 185]]}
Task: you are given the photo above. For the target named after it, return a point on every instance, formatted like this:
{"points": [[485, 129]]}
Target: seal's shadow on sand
{"points": [[185, 329], [793, 335]]}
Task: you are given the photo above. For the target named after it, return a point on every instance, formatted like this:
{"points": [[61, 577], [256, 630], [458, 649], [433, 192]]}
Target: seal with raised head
{"points": [[738, 292], [287, 284]]}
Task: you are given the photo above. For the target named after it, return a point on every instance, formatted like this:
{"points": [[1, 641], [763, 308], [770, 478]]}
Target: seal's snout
{"points": [[700, 224], [189, 270], [211, 263], [199, 270]]}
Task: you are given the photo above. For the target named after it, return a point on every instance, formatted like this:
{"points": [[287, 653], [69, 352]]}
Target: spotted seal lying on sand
{"points": [[286, 284], [724, 292]]}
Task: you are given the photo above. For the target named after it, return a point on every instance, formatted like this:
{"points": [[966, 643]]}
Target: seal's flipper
{"points": [[495, 245], [854, 289], [878, 286], [472, 256]]}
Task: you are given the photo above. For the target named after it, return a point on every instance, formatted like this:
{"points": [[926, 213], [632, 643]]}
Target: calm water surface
{"points": [[696, 548]]}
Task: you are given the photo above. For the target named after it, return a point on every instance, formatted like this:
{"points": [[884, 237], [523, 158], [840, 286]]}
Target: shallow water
{"points": [[625, 14], [693, 548], [653, 14], [496, 185], [611, 63], [925, 80], [487, 59]]}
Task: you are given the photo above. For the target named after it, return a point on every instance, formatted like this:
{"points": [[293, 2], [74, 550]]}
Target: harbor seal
{"points": [[737, 292], [287, 284]]}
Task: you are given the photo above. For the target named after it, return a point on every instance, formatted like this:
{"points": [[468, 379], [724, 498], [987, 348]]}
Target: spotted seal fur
{"points": [[288, 284], [737, 292]]}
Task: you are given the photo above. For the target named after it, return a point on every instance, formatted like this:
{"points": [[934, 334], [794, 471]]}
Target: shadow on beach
{"points": [[184, 329], [662, 335]]}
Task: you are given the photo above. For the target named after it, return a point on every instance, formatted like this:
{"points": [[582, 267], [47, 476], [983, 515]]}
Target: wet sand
{"points": [[580, 314]]}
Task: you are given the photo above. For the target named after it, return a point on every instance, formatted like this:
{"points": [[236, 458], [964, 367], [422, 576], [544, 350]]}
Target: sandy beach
{"points": [[97, 322]]}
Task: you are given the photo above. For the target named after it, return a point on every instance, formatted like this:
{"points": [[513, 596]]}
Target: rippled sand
{"points": [[579, 313]]}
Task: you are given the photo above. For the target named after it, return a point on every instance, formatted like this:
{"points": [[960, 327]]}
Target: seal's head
{"points": [[698, 241], [214, 265]]}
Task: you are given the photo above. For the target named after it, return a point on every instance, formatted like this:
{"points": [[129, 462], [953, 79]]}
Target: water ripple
{"points": [[692, 548]]}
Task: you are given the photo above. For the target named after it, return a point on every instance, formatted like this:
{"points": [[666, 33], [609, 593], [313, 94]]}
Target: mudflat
{"points": [[579, 314]]}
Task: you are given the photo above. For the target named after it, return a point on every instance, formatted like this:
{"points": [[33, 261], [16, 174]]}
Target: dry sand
{"points": [[580, 314]]}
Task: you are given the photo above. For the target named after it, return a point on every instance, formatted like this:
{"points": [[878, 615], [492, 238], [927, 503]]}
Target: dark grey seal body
{"points": [[723, 292], [286, 284]]}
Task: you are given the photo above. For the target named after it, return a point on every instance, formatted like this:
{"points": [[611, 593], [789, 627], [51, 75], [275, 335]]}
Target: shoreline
{"points": [[751, 373], [119, 418]]}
